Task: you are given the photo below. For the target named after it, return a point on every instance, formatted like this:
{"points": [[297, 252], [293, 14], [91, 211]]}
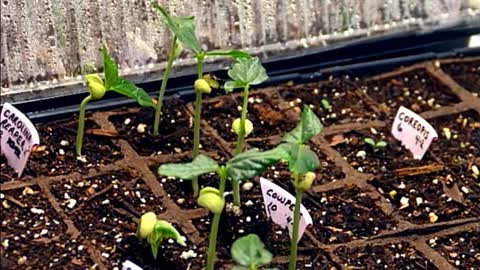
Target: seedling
{"points": [[302, 161], [325, 104], [375, 145], [241, 167], [97, 88], [249, 253], [184, 24], [185, 34], [243, 73], [154, 231]]}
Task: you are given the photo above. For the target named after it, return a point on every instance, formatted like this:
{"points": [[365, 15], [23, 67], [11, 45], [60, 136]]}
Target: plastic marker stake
{"points": [[413, 131], [279, 205], [18, 136], [128, 265]]}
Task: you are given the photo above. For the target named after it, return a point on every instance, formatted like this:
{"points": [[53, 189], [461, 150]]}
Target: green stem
{"points": [[252, 267], [163, 85], [240, 139], [81, 125], [296, 218], [196, 123], [212, 237]]}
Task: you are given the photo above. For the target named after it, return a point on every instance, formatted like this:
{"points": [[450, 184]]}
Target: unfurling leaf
{"points": [[250, 251], [200, 165], [307, 127], [109, 69], [247, 71], [181, 27], [121, 85], [126, 88]]}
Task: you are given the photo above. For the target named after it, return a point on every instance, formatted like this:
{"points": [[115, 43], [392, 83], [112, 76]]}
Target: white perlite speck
{"points": [[71, 203], [37, 211], [188, 254], [247, 186], [141, 128], [404, 202]]}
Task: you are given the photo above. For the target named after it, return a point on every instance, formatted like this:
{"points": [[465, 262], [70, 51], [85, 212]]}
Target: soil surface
{"points": [[371, 208]]}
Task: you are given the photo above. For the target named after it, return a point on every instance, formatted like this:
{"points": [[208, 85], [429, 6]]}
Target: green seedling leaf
{"points": [[247, 71], [381, 144], [181, 27], [306, 128], [250, 251], [325, 104], [251, 162], [120, 85], [235, 54], [200, 165], [301, 159], [126, 88], [163, 230], [369, 141], [110, 71]]}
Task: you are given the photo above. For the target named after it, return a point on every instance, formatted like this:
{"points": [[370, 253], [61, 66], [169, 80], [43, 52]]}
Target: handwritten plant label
{"points": [[18, 135], [413, 131], [128, 265], [279, 205]]}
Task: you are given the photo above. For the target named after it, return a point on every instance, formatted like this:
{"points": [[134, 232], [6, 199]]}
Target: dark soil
{"points": [[56, 153], [461, 250], [467, 74], [67, 214], [416, 90], [393, 256]]}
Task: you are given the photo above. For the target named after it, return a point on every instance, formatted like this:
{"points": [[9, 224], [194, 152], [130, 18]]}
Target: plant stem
{"points": [[163, 85], [240, 139], [296, 218], [212, 237], [81, 125], [196, 122]]}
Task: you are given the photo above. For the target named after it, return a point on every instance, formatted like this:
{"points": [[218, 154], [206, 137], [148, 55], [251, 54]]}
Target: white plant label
{"points": [[280, 205], [128, 265], [415, 133], [18, 136]]}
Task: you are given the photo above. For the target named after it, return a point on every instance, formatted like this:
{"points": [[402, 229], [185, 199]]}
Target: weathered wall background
{"points": [[44, 43]]}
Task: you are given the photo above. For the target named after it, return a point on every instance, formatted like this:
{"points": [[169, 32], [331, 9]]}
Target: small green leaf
{"points": [[200, 165], [230, 85], [247, 71], [381, 144], [325, 104], [251, 163], [235, 54], [126, 88], [249, 250], [369, 141], [307, 127], [301, 159], [162, 231], [239, 267], [181, 27], [110, 71]]}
